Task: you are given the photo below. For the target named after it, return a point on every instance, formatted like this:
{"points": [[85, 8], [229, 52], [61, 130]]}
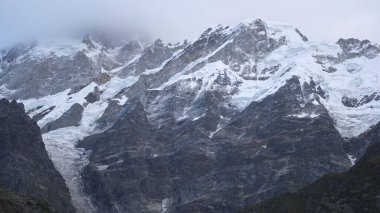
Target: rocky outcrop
{"points": [[94, 96], [136, 166], [150, 58], [354, 47], [357, 146], [356, 190], [110, 115], [71, 117], [353, 102], [42, 114], [129, 51], [25, 165]]}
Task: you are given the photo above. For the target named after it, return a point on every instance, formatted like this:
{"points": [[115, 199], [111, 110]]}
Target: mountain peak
{"points": [[256, 90], [88, 41], [273, 29], [253, 22]]}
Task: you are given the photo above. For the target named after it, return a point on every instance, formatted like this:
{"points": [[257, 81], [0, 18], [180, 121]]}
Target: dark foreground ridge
{"points": [[357, 190], [26, 169], [11, 202]]}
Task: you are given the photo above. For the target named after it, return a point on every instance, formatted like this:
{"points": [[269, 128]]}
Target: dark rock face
{"points": [[110, 115], [94, 96], [351, 48], [178, 166], [70, 118], [133, 126], [353, 102], [25, 165], [357, 190], [304, 38], [13, 203], [358, 145], [42, 114], [354, 47]]}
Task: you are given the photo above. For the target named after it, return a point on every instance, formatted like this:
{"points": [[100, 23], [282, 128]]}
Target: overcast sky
{"points": [[175, 20]]}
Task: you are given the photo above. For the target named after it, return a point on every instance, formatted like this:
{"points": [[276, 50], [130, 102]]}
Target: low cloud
{"points": [[175, 20]]}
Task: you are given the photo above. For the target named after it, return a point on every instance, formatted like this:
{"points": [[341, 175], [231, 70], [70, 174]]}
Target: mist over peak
{"points": [[172, 21]]}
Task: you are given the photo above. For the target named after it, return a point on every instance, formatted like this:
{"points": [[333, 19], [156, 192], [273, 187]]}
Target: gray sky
{"points": [[175, 20]]}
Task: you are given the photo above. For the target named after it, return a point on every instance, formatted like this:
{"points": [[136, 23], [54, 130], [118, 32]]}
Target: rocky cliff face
{"points": [[260, 152], [356, 190], [239, 115], [25, 165]]}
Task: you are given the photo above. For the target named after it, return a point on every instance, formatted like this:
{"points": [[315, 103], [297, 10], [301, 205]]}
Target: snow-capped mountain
{"points": [[238, 115]]}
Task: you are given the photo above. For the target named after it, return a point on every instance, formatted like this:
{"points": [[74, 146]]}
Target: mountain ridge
{"points": [[26, 167], [213, 85]]}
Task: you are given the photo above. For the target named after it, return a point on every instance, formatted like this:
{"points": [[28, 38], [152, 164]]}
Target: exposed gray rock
{"points": [[152, 57], [42, 114], [327, 62], [94, 96], [103, 78], [304, 38], [39, 77], [208, 42], [354, 48], [200, 166], [354, 102], [70, 118], [357, 146], [110, 115], [129, 50], [356, 190], [107, 62], [25, 165]]}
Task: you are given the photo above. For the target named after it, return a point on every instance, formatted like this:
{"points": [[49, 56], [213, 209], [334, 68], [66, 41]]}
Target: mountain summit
{"points": [[237, 116]]}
